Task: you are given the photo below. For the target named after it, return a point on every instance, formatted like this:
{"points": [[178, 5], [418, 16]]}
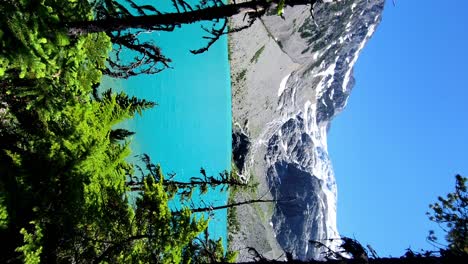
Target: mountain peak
{"points": [[290, 78]]}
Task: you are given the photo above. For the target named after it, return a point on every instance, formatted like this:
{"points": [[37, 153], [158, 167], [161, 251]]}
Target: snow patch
{"points": [[356, 55], [341, 39], [315, 56], [330, 71], [323, 136], [306, 116], [282, 86], [293, 96], [323, 102], [322, 169], [348, 26], [284, 146]]}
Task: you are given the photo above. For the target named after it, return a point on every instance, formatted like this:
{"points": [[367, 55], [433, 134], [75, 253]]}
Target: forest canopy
{"points": [[68, 193]]}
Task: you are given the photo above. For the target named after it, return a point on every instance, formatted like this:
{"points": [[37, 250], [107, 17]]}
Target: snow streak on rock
{"points": [[293, 142], [282, 85]]}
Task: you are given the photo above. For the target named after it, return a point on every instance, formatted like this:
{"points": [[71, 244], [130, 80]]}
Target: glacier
{"points": [[282, 105]]}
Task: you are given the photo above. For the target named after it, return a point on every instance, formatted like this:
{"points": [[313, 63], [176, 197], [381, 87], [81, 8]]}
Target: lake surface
{"points": [[190, 127]]}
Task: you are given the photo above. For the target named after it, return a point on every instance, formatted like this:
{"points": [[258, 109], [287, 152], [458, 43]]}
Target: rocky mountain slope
{"points": [[290, 78]]}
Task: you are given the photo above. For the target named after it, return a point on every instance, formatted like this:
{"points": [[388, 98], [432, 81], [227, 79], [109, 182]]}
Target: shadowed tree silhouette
{"points": [[451, 214], [125, 21]]}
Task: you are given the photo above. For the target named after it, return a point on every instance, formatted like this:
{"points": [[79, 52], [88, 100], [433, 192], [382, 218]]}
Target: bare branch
{"points": [[148, 57], [119, 23], [214, 208], [216, 34]]}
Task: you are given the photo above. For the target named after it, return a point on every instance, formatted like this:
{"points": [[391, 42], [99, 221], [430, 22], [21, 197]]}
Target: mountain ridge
{"points": [[290, 78]]}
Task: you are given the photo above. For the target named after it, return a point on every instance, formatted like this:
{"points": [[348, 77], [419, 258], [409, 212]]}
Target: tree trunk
{"points": [[189, 17], [214, 208]]}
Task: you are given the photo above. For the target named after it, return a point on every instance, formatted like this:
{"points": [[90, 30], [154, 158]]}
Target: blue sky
{"points": [[403, 136]]}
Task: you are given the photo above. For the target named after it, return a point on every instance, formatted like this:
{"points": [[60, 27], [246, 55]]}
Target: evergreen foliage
{"points": [[452, 216], [64, 193]]}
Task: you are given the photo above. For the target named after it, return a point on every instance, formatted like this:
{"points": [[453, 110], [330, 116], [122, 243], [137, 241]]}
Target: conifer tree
{"points": [[63, 162], [451, 213]]}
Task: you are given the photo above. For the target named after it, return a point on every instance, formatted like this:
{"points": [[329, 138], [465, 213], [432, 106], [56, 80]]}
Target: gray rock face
{"points": [[290, 78]]}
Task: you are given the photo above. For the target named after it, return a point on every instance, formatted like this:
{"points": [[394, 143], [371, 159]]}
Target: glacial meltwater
{"points": [[190, 127]]}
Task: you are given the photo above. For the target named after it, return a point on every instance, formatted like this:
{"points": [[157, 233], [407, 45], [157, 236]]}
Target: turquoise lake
{"points": [[190, 127]]}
